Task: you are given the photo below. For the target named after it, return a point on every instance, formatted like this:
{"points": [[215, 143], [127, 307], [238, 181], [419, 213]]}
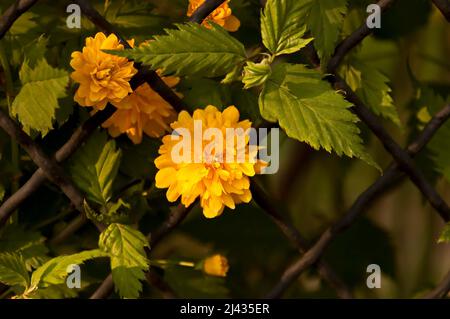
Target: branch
{"points": [[444, 7], [390, 176], [48, 165], [401, 156], [38, 178], [13, 13], [172, 221], [353, 40], [441, 290], [292, 234], [205, 10]]}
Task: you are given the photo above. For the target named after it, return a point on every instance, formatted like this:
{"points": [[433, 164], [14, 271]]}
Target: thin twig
{"points": [[38, 178], [441, 290], [296, 239], [353, 40], [205, 10], [444, 7], [13, 13], [390, 176], [401, 156], [50, 167]]}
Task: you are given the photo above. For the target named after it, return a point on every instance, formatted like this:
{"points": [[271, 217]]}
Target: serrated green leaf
{"points": [[94, 167], [283, 24], [445, 236], [126, 248], [372, 88], [432, 102], [325, 22], [54, 271], [36, 104], [190, 50], [256, 74], [30, 244], [13, 270], [309, 110]]}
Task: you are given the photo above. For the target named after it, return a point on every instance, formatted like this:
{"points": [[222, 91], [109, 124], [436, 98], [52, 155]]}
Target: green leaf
{"points": [[190, 50], [126, 248], [54, 271], [309, 110], [94, 168], [30, 244], [13, 270], [428, 103], [325, 22], [256, 74], [36, 104], [445, 236], [372, 88], [283, 25]]}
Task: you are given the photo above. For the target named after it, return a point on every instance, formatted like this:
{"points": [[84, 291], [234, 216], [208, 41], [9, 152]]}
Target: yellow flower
{"points": [[143, 111], [216, 265], [217, 181], [102, 77], [221, 16]]}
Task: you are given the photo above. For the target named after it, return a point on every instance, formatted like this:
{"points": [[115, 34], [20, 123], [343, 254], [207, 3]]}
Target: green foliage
{"points": [[126, 248], [256, 74], [29, 244], [13, 271], [432, 102], [371, 86], [283, 25], [191, 50], [445, 236], [54, 271], [36, 104], [325, 22], [94, 168], [310, 111]]}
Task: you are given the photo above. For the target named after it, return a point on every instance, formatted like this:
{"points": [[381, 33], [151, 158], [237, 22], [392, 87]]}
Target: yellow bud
{"points": [[216, 265]]}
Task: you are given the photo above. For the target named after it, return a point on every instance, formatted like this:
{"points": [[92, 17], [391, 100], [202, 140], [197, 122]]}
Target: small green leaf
{"points": [[13, 271], [371, 86], [36, 104], [445, 236], [256, 74], [309, 110], [325, 22], [94, 168], [190, 50], [29, 244], [54, 271], [283, 24], [126, 248]]}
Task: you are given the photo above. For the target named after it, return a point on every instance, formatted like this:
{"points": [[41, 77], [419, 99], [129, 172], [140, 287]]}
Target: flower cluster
{"points": [[105, 78], [222, 15]]}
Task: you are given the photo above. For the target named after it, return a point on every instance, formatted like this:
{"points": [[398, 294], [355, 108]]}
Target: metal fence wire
{"points": [[402, 167]]}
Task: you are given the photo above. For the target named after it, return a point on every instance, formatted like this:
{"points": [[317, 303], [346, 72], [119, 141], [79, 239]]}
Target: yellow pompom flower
{"points": [[222, 15], [143, 111], [216, 265], [102, 77], [216, 181]]}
